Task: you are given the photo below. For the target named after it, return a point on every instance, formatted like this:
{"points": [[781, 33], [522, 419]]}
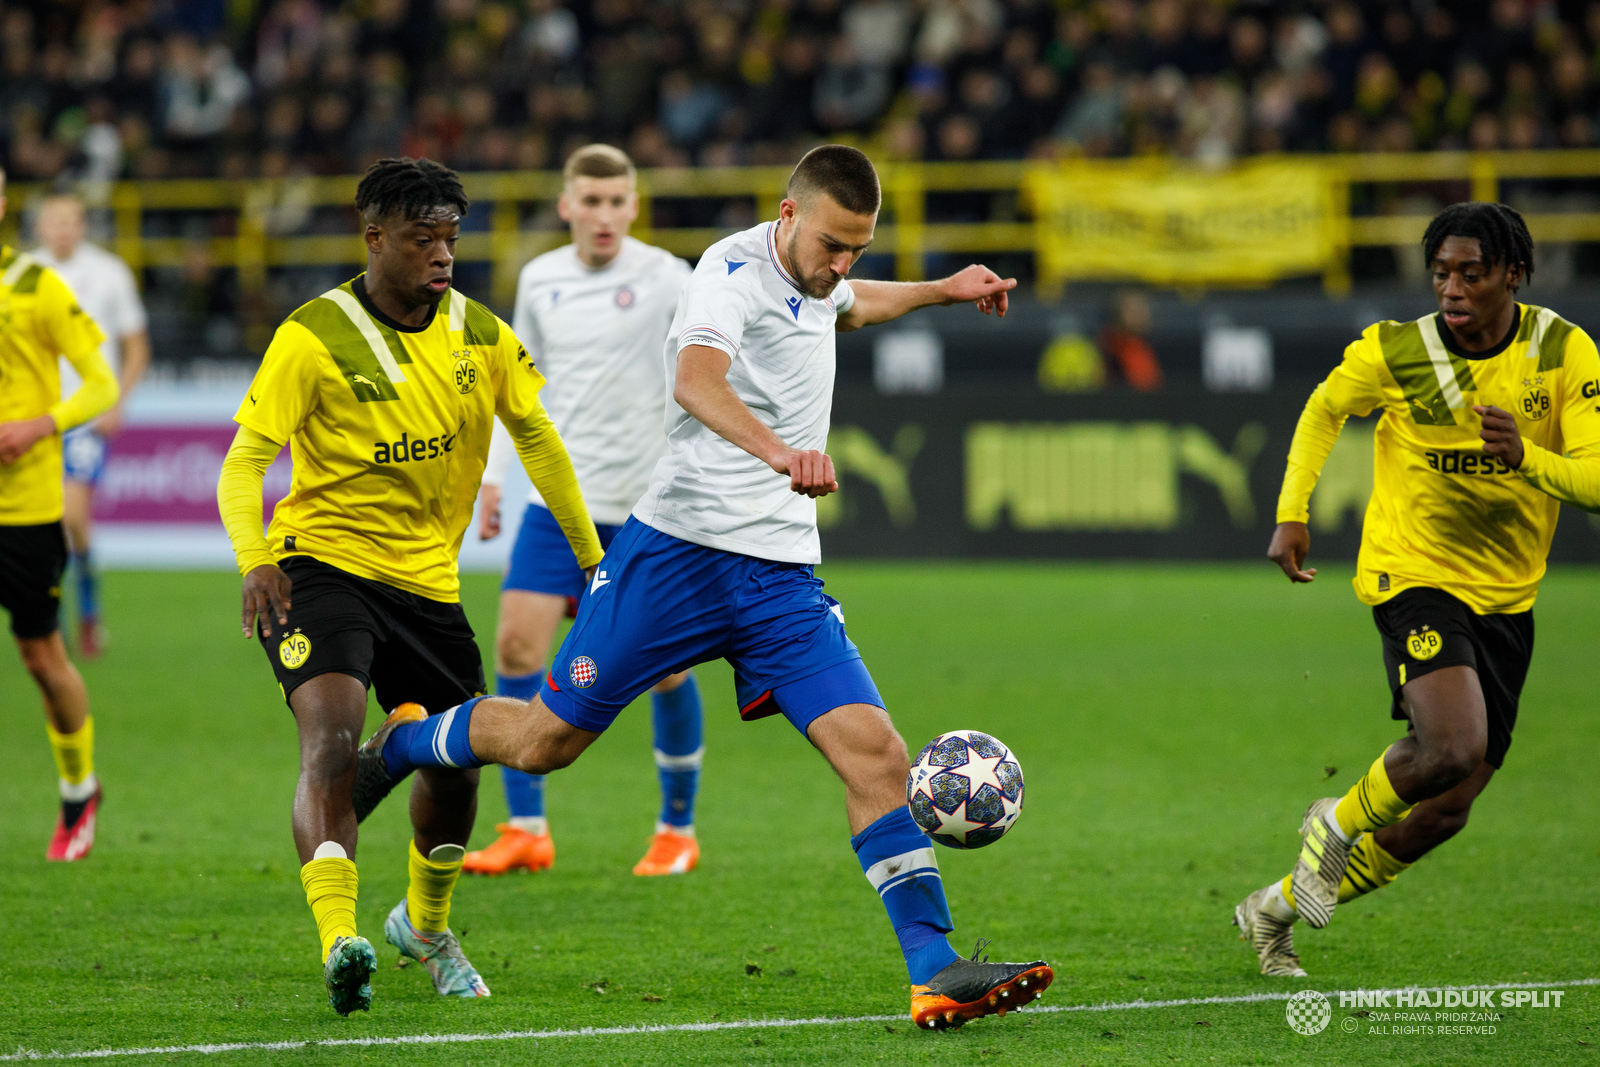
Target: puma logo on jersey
{"points": [[360, 379], [599, 580]]}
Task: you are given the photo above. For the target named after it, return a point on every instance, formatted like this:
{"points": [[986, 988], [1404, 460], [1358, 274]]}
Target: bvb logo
{"points": [[1308, 1012], [1424, 645], [466, 375], [1534, 402], [294, 650]]}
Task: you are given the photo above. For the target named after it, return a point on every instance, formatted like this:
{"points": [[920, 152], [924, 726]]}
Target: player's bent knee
{"points": [[516, 655], [1454, 763]]}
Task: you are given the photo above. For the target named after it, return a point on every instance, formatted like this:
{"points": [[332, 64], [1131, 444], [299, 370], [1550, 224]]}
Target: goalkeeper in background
{"points": [[1490, 421]]}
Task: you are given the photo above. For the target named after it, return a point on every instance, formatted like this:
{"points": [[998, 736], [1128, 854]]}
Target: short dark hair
{"points": [[1499, 230], [408, 189], [844, 173]]}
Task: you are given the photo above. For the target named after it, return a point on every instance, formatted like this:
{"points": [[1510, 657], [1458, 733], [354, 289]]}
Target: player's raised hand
{"points": [[980, 285], [1501, 438], [19, 436], [810, 472], [265, 596], [1291, 542], [488, 512]]}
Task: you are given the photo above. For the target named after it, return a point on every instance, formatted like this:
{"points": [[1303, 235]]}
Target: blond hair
{"points": [[598, 161]]}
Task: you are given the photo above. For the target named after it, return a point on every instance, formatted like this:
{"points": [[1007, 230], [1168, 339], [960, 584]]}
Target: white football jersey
{"points": [[108, 294], [706, 489], [596, 336]]}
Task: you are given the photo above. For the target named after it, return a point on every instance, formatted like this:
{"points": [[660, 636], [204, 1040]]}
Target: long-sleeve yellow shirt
{"points": [[388, 429], [40, 321], [1444, 514]]}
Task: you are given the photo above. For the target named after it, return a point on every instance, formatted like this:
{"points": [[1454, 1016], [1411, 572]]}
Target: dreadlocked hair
{"points": [[408, 188], [1498, 229]]}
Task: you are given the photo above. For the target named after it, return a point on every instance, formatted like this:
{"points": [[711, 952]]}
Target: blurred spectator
{"points": [[112, 88], [1123, 341]]}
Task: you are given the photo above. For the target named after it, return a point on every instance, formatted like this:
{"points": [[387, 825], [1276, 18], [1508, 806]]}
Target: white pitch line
{"points": [[700, 1028]]}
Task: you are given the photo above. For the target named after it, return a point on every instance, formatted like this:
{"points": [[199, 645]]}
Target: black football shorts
{"points": [[1426, 629], [32, 560], [405, 646]]}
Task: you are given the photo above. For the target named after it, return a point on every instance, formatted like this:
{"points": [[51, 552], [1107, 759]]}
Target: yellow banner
{"points": [[1170, 226]]}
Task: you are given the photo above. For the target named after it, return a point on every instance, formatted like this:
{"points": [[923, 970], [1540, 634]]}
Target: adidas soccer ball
{"points": [[965, 789]]}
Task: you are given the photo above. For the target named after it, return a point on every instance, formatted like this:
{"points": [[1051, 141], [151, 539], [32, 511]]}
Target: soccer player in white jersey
{"points": [[592, 315], [106, 290], [716, 562]]}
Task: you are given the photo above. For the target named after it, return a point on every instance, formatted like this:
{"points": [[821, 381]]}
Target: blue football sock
{"points": [[524, 791], [680, 731], [899, 862], [437, 741], [88, 586]]}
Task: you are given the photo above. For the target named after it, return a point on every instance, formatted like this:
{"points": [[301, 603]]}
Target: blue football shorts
{"points": [[659, 605], [83, 455], [542, 559]]}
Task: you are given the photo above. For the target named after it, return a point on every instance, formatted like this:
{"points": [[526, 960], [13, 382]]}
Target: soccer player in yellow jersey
{"points": [[385, 389], [40, 322], [1490, 420]]}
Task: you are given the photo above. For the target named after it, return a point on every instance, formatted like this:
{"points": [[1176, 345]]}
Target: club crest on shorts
{"points": [[294, 650], [1424, 643], [582, 672]]}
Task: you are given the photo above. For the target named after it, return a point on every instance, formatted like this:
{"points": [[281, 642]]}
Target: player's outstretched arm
{"points": [[882, 301], [701, 388]]}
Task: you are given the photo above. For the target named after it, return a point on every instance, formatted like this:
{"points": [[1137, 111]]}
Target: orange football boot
{"points": [[669, 853], [513, 850], [969, 989]]}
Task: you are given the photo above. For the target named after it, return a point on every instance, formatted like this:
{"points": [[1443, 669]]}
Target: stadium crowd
{"points": [[194, 88]]}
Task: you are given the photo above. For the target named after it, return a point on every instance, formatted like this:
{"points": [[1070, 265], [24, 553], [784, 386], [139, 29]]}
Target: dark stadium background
{"points": [[212, 100]]}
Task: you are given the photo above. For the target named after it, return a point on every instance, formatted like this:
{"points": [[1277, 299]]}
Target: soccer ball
{"points": [[965, 789]]}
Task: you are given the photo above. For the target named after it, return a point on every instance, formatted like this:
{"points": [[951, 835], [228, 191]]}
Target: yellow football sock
{"points": [[331, 891], [428, 898], [1371, 803], [1370, 868], [74, 752]]}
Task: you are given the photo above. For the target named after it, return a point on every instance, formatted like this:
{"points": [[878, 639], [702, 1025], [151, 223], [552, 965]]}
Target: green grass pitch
{"points": [[1172, 721]]}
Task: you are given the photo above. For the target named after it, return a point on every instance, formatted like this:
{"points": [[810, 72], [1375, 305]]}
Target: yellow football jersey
{"points": [[40, 321], [389, 429], [1443, 514]]}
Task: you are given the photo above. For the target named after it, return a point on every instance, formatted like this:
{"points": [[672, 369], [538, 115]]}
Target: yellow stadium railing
{"points": [[261, 240]]}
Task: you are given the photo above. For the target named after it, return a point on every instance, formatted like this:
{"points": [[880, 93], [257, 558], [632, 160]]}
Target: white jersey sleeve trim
{"points": [[708, 336], [843, 301]]}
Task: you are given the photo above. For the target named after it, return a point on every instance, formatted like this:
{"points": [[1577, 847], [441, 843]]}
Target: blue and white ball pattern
{"points": [[965, 789]]}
